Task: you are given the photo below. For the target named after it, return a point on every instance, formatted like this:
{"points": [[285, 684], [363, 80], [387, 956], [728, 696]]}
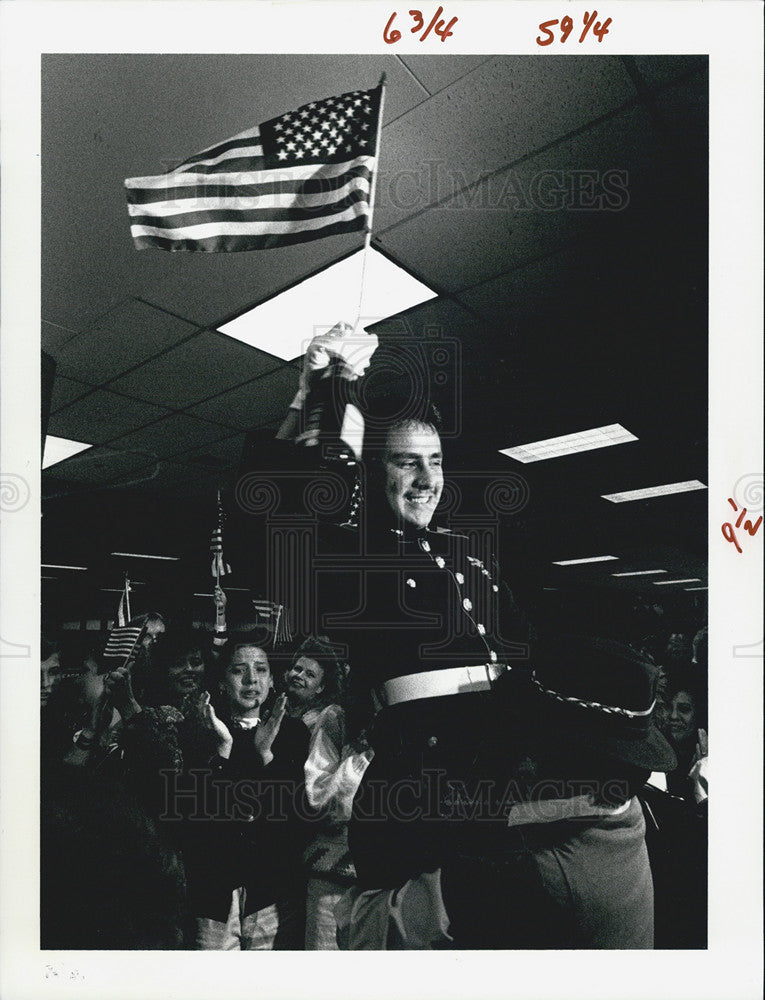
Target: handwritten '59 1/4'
{"points": [[444, 31], [567, 26], [728, 530]]}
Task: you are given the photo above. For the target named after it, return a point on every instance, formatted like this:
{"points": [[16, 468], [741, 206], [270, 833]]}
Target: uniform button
{"points": [[481, 629], [494, 587], [425, 545], [459, 577], [440, 562], [411, 583], [492, 656], [467, 604], [432, 741]]}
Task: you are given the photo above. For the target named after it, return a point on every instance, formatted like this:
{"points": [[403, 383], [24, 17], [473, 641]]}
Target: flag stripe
{"points": [[249, 138], [313, 191], [207, 230], [233, 244], [188, 220], [284, 175]]}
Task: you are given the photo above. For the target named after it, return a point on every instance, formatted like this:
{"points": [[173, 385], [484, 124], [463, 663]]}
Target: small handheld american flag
{"points": [[275, 618], [123, 640], [218, 567]]}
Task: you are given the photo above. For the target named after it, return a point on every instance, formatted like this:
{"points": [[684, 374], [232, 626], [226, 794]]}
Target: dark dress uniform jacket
{"points": [[403, 602]]}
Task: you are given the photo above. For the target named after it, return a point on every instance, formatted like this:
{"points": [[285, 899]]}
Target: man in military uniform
{"points": [[416, 608]]}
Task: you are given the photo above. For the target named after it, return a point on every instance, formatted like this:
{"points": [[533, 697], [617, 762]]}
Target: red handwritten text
{"points": [[728, 530], [439, 27], [567, 26]]}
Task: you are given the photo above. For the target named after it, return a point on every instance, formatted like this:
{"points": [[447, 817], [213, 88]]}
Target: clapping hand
{"points": [[698, 772], [266, 732], [223, 739]]}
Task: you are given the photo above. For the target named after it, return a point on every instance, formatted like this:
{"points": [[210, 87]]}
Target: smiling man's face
{"points": [[414, 477]]}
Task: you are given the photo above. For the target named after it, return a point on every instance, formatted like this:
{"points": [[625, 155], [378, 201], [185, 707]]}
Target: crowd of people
{"points": [[429, 768], [199, 796]]}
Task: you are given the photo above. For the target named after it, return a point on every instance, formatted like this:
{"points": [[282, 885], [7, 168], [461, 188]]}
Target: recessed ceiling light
{"points": [[666, 583], [143, 555], [577, 562], [57, 449], [695, 588], [654, 491], [570, 444], [56, 566], [285, 324], [640, 572], [202, 595]]}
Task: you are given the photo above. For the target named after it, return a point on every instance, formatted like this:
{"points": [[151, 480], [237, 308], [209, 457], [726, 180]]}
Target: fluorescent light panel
{"points": [[143, 555], [654, 491], [666, 583], [570, 444], [577, 562], [285, 324], [640, 572], [55, 566], [58, 449], [688, 589]]}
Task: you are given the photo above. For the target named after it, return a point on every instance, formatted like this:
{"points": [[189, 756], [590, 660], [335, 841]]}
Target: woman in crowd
{"points": [[315, 687], [686, 731], [245, 835]]}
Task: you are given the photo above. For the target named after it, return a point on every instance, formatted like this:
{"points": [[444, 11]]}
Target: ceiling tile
{"points": [[530, 103], [196, 369], [65, 391], [176, 433], [53, 337], [660, 70], [436, 72], [532, 208], [127, 335], [97, 465], [526, 289], [176, 479], [215, 456], [102, 416], [254, 403]]}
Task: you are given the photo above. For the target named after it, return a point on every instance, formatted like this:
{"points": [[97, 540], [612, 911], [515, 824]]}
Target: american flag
{"points": [[275, 618], [122, 641], [298, 177], [218, 566]]}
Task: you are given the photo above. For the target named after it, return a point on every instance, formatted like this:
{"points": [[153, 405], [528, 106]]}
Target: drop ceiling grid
{"points": [[508, 228], [524, 112]]}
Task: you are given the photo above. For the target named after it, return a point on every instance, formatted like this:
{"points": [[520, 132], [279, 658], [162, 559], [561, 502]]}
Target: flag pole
{"points": [[217, 560], [127, 597], [372, 190]]}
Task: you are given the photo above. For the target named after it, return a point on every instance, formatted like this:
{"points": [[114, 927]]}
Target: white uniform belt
{"points": [[438, 683]]}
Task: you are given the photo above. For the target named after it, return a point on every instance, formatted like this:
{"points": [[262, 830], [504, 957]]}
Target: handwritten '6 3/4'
{"points": [[392, 35], [730, 534], [567, 26]]}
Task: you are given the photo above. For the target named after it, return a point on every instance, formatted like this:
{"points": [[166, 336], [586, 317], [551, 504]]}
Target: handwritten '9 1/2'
{"points": [[730, 534]]}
